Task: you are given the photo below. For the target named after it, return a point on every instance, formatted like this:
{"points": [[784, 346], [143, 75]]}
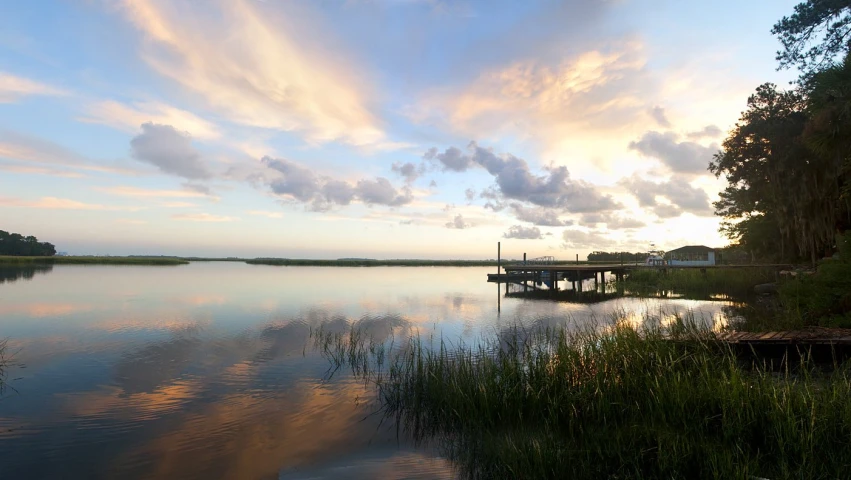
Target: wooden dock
{"points": [[804, 336], [576, 273], [820, 344]]}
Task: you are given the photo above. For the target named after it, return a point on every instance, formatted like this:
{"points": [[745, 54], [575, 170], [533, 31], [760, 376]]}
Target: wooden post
{"points": [[577, 259], [498, 268], [579, 280], [525, 274], [554, 279], [596, 284], [603, 280]]}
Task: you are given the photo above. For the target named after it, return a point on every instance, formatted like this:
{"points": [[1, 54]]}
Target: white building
{"points": [[692, 255]]}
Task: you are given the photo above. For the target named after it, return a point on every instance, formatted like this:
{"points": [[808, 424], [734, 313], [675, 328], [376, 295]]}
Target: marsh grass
{"points": [[612, 402], [93, 260], [737, 282], [5, 364]]}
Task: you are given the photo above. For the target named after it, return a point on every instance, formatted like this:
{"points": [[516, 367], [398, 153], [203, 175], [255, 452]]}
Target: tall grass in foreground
{"points": [[609, 403]]}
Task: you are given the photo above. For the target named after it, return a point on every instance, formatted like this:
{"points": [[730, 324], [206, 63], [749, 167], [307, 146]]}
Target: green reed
{"points": [[610, 402], [723, 280]]}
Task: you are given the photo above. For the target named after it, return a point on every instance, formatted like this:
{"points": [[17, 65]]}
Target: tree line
{"points": [[788, 159], [17, 244], [617, 257]]}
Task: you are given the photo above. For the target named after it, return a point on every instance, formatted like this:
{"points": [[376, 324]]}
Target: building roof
{"points": [[692, 249]]}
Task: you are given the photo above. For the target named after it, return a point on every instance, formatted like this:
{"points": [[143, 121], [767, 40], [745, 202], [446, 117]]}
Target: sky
{"points": [[373, 128]]}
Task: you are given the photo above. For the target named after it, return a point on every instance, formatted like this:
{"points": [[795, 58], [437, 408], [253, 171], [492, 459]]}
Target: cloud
{"points": [[169, 150], [458, 223], [13, 88], [202, 217], [666, 210], [658, 114], [523, 233], [265, 213], [130, 221], [198, 188], [603, 89], [681, 157], [709, 131], [53, 203], [623, 223], [409, 171], [380, 192], [579, 239], [26, 149], [322, 193], [247, 62], [469, 194], [514, 180], [680, 196], [613, 222], [452, 159], [177, 204], [539, 216], [130, 117], [144, 192], [34, 170]]}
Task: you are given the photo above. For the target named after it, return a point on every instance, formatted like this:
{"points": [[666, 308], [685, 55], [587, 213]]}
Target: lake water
{"points": [[206, 370]]}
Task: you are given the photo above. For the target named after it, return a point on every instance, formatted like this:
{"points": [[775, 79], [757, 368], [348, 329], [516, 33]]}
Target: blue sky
{"points": [[380, 128]]}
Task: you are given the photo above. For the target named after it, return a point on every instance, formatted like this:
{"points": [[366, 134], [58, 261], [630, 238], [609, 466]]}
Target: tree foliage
{"points": [[815, 35], [616, 257], [786, 166], [17, 244]]}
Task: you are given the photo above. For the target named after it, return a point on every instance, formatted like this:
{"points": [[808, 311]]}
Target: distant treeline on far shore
{"points": [[628, 257], [17, 244]]}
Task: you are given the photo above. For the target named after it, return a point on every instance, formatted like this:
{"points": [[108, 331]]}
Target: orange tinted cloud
{"points": [[250, 68], [53, 203]]}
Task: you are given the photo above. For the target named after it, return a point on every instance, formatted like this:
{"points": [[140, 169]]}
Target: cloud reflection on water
{"points": [[208, 370]]}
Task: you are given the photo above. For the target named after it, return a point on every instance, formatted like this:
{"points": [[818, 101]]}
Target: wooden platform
{"points": [[825, 346], [803, 336]]}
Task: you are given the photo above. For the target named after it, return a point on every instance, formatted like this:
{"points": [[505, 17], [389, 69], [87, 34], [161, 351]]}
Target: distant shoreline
{"points": [[280, 262]]}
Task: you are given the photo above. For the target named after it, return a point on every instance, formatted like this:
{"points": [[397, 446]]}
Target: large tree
{"points": [[761, 160]]}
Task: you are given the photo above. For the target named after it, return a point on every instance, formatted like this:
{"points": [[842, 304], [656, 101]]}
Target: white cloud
{"points": [[203, 217], [130, 117], [53, 203], [265, 213], [13, 88], [144, 192], [26, 149]]}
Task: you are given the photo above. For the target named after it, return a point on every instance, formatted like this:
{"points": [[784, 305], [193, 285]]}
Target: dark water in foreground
{"points": [[207, 370]]}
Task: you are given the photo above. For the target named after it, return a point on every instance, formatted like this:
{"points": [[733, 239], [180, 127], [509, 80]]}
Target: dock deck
{"points": [[804, 336]]}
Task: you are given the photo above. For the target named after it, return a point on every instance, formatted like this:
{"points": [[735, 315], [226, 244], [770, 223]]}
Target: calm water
{"points": [[206, 370]]}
